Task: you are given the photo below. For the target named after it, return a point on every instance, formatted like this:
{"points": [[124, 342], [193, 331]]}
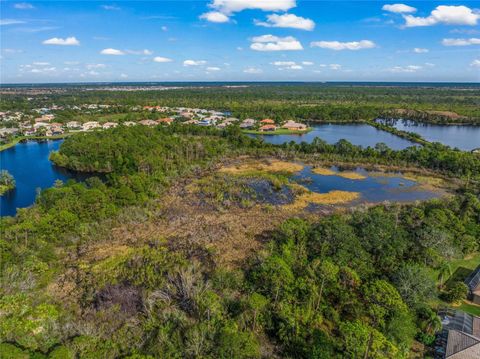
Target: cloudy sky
{"points": [[239, 40]]}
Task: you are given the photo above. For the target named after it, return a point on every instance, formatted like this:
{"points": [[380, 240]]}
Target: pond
{"points": [[373, 187], [466, 137], [358, 134], [28, 163]]}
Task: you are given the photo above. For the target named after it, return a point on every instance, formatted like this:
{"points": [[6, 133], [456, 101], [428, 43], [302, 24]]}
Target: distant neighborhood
{"points": [[46, 123]]}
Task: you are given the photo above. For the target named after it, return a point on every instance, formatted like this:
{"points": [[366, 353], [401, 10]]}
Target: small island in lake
{"points": [[7, 182]]}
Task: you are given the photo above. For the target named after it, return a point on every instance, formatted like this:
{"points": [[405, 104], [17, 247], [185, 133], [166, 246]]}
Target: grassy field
{"points": [[280, 131]]}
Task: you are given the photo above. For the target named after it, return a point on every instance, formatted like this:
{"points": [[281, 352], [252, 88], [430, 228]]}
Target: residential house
{"points": [[148, 122], [248, 123], [90, 125], [71, 125], [165, 121], [129, 123], [37, 125], [473, 284], [4, 132], [294, 126], [459, 338], [190, 122], [108, 125], [267, 121], [266, 128]]}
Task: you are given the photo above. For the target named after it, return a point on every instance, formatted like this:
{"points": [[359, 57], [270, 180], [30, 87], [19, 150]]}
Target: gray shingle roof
{"points": [[473, 280]]}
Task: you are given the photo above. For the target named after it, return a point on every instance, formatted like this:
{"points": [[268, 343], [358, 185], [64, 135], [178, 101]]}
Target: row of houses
{"points": [[268, 124]]}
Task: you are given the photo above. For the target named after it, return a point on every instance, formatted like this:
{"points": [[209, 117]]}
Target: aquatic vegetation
{"points": [[345, 174]]}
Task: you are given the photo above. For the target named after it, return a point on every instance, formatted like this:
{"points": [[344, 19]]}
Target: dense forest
{"points": [[316, 102], [361, 283]]}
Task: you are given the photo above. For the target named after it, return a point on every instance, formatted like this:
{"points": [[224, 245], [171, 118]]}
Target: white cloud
{"points": [[283, 63], [337, 45], [461, 42], [399, 8], [335, 66], [95, 66], [139, 52], [287, 21], [307, 63], [231, 6], [194, 62], [215, 16], [123, 76], [10, 22], [69, 41], [447, 15], [111, 51], [37, 63], [161, 59], [24, 6], [252, 70], [71, 62], [110, 7], [164, 28], [275, 43], [419, 50], [475, 63], [213, 68], [406, 69]]}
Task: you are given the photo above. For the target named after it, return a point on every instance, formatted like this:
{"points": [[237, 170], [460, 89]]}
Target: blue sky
{"points": [[239, 40]]}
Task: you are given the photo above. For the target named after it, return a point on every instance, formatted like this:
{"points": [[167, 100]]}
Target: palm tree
{"points": [[433, 323], [444, 272]]}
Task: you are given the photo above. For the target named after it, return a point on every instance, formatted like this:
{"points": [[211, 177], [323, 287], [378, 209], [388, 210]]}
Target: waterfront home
{"points": [[473, 284], [4, 132], [148, 122], [268, 127], [56, 129], [248, 123], [73, 125], [108, 125], [460, 336], [90, 125], [38, 125], [294, 126], [267, 121]]}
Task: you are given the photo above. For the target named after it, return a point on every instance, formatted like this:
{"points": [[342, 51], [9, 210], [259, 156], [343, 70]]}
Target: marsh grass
{"points": [[273, 166], [306, 197], [344, 174]]}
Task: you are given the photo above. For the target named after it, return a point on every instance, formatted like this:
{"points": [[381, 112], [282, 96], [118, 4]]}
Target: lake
{"points": [[373, 187], [358, 134], [464, 137], [28, 163]]}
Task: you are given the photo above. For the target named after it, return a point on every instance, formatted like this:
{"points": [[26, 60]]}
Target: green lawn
{"points": [[470, 308]]}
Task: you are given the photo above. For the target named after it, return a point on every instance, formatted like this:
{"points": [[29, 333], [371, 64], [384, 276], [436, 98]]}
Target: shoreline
{"points": [[278, 132], [17, 140]]}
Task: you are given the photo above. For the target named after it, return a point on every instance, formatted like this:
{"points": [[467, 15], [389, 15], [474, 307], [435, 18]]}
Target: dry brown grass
{"points": [[267, 166], [330, 198], [345, 174]]}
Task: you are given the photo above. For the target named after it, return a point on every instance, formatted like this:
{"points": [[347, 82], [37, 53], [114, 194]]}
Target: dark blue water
{"points": [[465, 138], [373, 189], [358, 134], [28, 163]]}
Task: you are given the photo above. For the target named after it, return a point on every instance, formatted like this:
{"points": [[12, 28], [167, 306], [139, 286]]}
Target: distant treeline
{"points": [[302, 101]]}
